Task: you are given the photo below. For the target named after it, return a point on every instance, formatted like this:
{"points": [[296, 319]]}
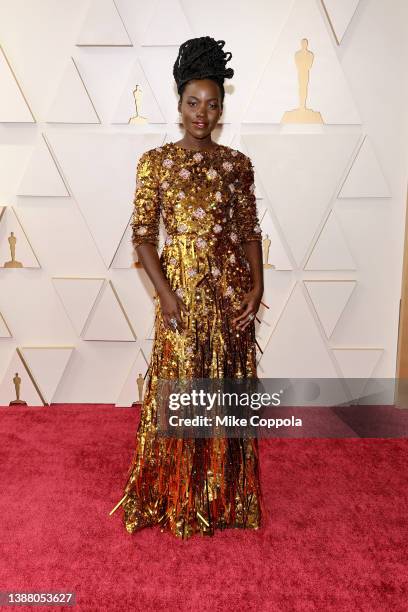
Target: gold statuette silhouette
{"points": [[303, 60], [266, 243], [137, 94], [12, 244], [140, 383], [17, 386]]}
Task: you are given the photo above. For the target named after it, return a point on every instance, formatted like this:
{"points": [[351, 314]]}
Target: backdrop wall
{"points": [[76, 313]]}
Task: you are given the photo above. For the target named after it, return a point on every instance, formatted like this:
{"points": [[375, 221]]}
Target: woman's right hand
{"points": [[172, 306]]}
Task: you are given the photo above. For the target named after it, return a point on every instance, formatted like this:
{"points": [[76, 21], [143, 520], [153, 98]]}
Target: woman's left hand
{"points": [[249, 306]]}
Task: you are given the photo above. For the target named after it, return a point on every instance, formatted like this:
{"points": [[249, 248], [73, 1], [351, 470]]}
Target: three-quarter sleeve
{"points": [[245, 209], [146, 211]]}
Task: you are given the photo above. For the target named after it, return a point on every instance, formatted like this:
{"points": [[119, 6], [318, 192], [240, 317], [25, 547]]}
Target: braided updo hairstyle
{"points": [[202, 58]]}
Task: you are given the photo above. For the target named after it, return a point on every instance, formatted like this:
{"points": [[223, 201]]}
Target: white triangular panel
{"points": [[72, 103], [328, 91], [262, 207], [103, 26], [331, 251], [28, 392], [108, 321], [13, 160], [101, 171], [23, 251], [277, 289], [41, 177], [151, 325], [357, 362], [123, 258], [148, 109], [157, 65], [168, 25], [136, 296], [288, 165], [105, 71], [126, 256], [4, 330], [147, 346], [365, 178], [136, 16], [78, 296], [340, 14], [239, 144], [130, 390], [13, 105], [329, 300], [47, 365], [357, 366], [296, 348]]}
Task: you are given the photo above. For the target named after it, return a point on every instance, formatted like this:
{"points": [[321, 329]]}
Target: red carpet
{"points": [[336, 537]]}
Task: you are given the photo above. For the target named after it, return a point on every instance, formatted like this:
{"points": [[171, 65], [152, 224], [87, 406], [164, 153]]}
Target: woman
{"points": [[209, 284]]}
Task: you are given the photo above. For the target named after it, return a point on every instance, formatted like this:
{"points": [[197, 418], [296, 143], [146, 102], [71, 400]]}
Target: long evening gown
{"points": [[208, 205]]}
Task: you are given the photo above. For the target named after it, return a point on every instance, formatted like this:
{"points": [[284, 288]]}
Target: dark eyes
{"points": [[211, 105]]}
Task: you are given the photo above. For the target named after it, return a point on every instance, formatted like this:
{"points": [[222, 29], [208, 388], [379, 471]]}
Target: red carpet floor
{"points": [[336, 535]]}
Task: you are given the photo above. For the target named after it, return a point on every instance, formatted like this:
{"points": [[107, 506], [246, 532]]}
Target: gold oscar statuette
{"points": [[266, 243], [13, 263], [140, 383], [17, 386], [303, 60], [137, 94]]}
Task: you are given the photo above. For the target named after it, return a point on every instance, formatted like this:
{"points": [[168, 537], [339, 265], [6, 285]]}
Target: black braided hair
{"points": [[202, 58]]}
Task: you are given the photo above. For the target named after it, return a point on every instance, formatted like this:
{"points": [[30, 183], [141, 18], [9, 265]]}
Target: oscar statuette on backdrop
{"points": [[17, 386]]}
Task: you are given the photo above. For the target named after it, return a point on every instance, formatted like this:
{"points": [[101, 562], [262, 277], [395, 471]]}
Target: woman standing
{"points": [[209, 284]]}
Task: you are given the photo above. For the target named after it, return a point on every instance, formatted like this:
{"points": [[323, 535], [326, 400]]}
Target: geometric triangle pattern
{"points": [[339, 15], [15, 249], [276, 255], [158, 32], [4, 328], [14, 107], [103, 26], [365, 178], [306, 178], [357, 366], [13, 161], [329, 299], [137, 104], [296, 346], [278, 288], [18, 383], [42, 177], [357, 362], [123, 257], [328, 93], [137, 298], [47, 365], [108, 320], [330, 251], [78, 296], [286, 164], [100, 169], [72, 103]]}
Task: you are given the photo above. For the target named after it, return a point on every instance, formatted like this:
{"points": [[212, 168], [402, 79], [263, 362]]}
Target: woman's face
{"points": [[200, 107]]}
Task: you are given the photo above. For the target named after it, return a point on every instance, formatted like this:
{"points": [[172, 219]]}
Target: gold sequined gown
{"points": [[208, 206]]}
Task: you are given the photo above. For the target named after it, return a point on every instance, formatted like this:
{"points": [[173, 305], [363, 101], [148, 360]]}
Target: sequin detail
{"points": [[212, 173], [199, 213], [206, 200]]}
